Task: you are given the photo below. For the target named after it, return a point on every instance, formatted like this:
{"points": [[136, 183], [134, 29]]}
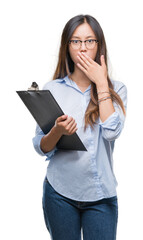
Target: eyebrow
{"points": [[86, 37]]}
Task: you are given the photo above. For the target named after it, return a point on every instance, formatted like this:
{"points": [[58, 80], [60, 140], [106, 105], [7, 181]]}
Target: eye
{"points": [[90, 41], [75, 41]]}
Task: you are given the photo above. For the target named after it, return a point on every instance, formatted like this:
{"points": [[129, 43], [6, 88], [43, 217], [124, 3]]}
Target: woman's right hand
{"points": [[65, 125]]}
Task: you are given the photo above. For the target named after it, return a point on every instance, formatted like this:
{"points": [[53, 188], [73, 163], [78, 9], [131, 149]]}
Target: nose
{"points": [[83, 47]]}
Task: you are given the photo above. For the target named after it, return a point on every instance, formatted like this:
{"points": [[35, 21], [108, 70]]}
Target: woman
{"points": [[79, 191]]}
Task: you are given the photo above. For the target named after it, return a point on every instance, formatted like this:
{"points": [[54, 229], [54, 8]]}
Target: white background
{"points": [[30, 35]]}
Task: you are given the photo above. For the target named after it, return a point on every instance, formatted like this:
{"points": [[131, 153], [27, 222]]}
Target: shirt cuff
{"points": [[111, 122], [36, 142]]}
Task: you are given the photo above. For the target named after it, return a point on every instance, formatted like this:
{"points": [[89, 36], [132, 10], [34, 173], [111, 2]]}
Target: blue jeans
{"points": [[65, 218]]}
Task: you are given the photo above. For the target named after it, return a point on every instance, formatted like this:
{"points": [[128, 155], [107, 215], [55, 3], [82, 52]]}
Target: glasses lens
{"points": [[90, 43], [75, 44]]}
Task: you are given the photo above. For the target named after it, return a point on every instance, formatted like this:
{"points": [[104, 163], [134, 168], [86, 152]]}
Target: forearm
{"points": [[49, 141], [106, 107]]}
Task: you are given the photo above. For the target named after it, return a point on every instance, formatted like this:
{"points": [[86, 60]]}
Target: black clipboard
{"points": [[45, 110]]}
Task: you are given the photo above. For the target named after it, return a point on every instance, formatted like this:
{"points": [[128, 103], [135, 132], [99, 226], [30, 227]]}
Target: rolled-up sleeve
{"points": [[112, 127], [36, 143]]}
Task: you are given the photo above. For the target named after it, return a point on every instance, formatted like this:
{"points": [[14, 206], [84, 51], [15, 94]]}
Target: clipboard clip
{"points": [[34, 87]]}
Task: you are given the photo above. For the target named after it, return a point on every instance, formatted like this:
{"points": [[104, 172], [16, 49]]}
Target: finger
{"points": [[84, 59], [63, 117], [90, 61], [70, 126], [82, 62], [74, 129], [82, 68], [71, 123], [102, 59], [69, 120]]}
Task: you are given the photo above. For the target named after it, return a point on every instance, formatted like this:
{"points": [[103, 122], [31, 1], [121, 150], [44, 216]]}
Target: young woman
{"points": [[79, 190]]}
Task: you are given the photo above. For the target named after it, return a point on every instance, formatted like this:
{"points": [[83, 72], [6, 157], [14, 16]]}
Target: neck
{"points": [[80, 78]]}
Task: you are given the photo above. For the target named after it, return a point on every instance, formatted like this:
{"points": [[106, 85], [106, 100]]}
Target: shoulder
{"points": [[121, 89], [118, 86], [53, 83]]}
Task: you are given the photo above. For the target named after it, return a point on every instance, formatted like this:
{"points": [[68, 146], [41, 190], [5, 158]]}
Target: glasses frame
{"points": [[72, 40]]}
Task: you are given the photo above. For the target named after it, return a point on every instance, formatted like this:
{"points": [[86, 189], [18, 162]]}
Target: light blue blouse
{"points": [[84, 175]]}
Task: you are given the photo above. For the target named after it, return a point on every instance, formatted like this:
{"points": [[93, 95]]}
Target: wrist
{"points": [[102, 87], [55, 130]]}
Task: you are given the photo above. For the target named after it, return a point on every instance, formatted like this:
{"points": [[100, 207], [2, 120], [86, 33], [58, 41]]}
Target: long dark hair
{"points": [[65, 64]]}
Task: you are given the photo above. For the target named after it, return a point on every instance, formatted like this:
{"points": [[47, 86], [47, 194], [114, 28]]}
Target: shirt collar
{"points": [[69, 82]]}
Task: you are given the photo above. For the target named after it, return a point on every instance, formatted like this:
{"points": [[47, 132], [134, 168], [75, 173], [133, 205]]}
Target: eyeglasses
{"points": [[90, 43]]}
